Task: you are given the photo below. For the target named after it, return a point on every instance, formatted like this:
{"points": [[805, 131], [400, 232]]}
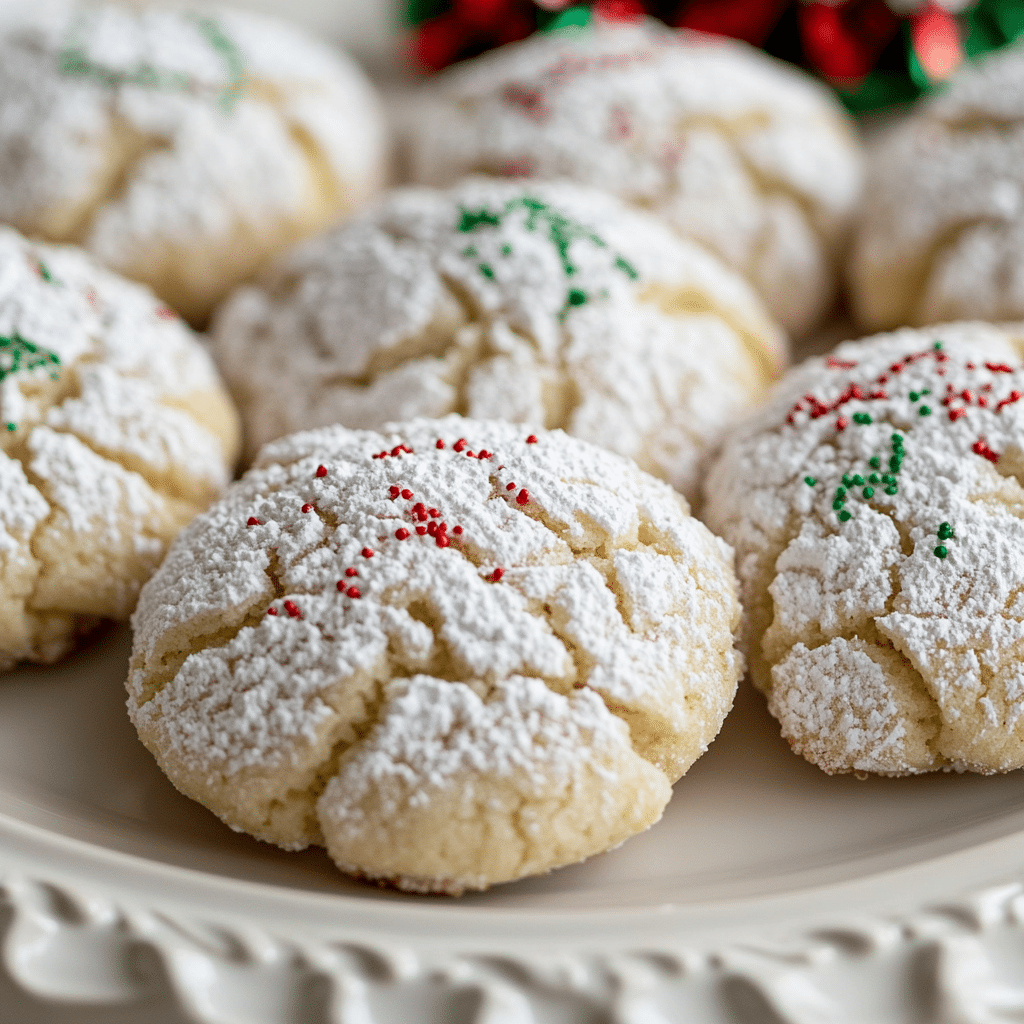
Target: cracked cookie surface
{"points": [[183, 149], [114, 432], [877, 512], [452, 652], [540, 303], [754, 160], [941, 231]]}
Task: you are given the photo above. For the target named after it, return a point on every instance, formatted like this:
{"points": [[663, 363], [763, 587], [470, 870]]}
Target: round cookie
{"points": [[941, 235], [877, 511], [114, 432], [750, 157], [453, 652], [183, 149], [543, 303]]}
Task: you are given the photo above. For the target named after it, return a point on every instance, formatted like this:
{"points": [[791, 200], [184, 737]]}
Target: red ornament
{"points": [[738, 18]]}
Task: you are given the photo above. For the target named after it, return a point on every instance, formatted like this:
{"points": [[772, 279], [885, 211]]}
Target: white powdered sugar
{"points": [[183, 148], [753, 159], [942, 231], [543, 303], [878, 518], [423, 615], [114, 431]]}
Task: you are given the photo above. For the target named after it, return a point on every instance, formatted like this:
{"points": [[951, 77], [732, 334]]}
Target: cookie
{"points": [[114, 432], [544, 303], [741, 152], [453, 652], [183, 149], [877, 513], [941, 236]]}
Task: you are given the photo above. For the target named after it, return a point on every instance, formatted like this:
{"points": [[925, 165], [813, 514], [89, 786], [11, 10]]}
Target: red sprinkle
{"points": [[402, 533], [440, 443], [460, 444], [351, 572], [955, 414], [457, 530], [981, 448], [470, 454], [341, 585], [430, 528], [441, 540], [966, 395], [523, 496], [354, 592], [510, 487], [842, 423], [292, 609], [407, 494], [1015, 396], [367, 552], [434, 513], [421, 530], [253, 521], [394, 491], [983, 401], [999, 367], [307, 507], [839, 364], [484, 454], [532, 439], [271, 611], [442, 527], [970, 366], [421, 515], [497, 574], [321, 471]]}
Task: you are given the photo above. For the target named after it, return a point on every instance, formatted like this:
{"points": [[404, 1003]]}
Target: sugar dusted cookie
{"points": [[941, 236], [877, 511], [452, 652], [114, 432], [743, 153], [183, 149], [537, 303]]}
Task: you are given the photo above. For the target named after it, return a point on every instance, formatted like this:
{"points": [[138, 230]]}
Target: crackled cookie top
{"points": [[739, 151], [942, 231], [876, 508], [182, 148], [537, 303], [454, 652], [114, 432]]}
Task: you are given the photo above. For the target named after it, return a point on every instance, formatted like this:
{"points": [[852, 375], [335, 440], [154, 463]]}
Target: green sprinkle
{"points": [[472, 219], [858, 479], [486, 270], [888, 478], [925, 410], [470, 252], [577, 297], [837, 504], [894, 463], [506, 250], [847, 480], [810, 481], [12, 427], [875, 462], [897, 440], [868, 492], [927, 391], [861, 417], [844, 516], [941, 552], [946, 532], [840, 492], [873, 479], [937, 346], [914, 396], [891, 489], [626, 267]]}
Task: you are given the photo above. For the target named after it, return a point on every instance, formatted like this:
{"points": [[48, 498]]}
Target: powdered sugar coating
{"points": [[751, 158], [544, 303], [183, 149], [884, 617], [515, 689], [114, 432], [942, 231]]}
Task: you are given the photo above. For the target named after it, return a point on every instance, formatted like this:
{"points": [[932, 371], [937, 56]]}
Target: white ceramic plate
{"points": [[769, 893]]}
